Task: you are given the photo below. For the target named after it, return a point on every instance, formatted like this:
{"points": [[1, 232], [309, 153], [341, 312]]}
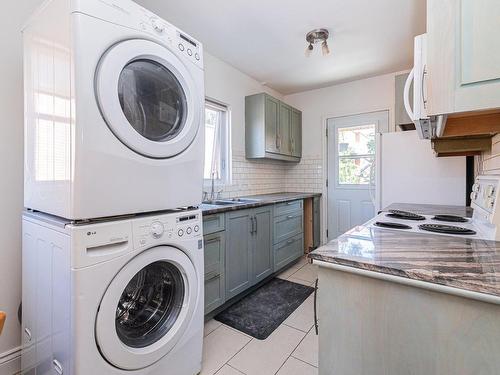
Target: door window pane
{"points": [[355, 171], [152, 100], [356, 155], [150, 304]]}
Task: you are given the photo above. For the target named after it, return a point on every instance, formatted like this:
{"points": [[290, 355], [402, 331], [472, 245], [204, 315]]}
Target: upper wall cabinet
{"points": [[463, 55], [273, 129]]}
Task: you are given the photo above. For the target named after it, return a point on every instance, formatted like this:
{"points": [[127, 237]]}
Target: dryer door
{"points": [[147, 308], [148, 98]]}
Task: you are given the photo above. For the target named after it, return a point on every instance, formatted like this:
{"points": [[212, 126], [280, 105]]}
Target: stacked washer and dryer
{"points": [[112, 238]]}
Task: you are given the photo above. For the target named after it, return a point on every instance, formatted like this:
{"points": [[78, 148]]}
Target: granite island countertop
{"points": [[257, 201], [468, 264]]}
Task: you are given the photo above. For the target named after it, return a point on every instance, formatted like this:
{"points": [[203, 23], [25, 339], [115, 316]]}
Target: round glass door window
{"points": [[152, 100], [150, 304]]}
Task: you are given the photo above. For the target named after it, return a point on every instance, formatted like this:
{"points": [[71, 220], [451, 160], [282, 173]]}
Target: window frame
{"points": [[225, 141], [338, 157]]}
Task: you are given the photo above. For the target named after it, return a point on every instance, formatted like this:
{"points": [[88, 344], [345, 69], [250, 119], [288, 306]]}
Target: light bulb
{"points": [[324, 48], [309, 50]]}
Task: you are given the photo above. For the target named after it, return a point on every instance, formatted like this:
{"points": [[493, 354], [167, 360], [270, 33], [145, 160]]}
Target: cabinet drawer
{"points": [[213, 223], [214, 253], [287, 251], [214, 292], [286, 226], [288, 207]]}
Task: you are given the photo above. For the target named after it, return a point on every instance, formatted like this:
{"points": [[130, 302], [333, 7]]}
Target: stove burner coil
{"points": [[446, 229], [387, 224], [450, 218], [404, 215]]}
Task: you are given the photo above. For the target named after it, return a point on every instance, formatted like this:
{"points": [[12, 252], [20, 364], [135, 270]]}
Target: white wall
{"points": [[12, 17]]}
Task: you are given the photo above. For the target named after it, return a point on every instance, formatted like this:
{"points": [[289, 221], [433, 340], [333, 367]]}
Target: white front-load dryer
{"points": [[114, 111], [113, 297]]}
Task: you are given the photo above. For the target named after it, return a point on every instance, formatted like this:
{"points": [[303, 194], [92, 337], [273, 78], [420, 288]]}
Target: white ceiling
{"points": [[266, 39]]}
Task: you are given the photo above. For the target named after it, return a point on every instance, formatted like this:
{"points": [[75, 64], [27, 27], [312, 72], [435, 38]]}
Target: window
{"points": [[356, 155], [216, 142]]}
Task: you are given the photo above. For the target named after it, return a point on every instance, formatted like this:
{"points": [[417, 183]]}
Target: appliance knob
{"points": [[181, 47], [157, 26], [196, 228], [475, 187], [189, 230], [196, 56], [180, 232], [157, 229], [189, 52], [490, 190]]}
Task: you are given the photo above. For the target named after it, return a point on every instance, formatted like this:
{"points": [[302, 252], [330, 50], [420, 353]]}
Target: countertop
{"points": [[259, 200], [471, 265]]}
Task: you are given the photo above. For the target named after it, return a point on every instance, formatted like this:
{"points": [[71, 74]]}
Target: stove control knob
{"points": [[473, 196], [490, 190], [490, 202], [475, 187], [157, 229]]}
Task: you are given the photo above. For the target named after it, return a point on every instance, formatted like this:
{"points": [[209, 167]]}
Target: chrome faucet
{"points": [[214, 195]]}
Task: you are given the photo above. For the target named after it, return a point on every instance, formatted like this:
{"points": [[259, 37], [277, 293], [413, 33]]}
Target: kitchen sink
{"points": [[229, 202]]}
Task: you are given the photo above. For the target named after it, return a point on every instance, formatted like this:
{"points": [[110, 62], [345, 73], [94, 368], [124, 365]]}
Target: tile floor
{"points": [[292, 349]]}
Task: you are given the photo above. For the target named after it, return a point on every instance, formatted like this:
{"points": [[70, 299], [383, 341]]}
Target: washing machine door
{"points": [[148, 98], [147, 308]]}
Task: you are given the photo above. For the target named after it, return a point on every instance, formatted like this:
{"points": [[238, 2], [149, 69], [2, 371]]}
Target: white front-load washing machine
{"points": [[113, 297], [114, 111]]}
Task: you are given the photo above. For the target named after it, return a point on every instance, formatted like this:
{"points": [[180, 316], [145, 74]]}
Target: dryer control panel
{"points": [[167, 227]]}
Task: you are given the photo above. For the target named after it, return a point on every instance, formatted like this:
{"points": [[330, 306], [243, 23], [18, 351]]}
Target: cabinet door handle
{"points": [[289, 241], [424, 100], [255, 220], [316, 306], [58, 367], [251, 222], [28, 333], [214, 276], [289, 217]]}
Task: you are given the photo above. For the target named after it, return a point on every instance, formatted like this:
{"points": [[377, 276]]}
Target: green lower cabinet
{"points": [[214, 247], [249, 257], [262, 242], [239, 224], [287, 251]]}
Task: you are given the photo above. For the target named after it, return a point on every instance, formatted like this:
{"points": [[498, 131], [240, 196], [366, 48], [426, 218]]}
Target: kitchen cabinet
{"points": [[248, 248], [296, 133], [288, 238], [284, 133], [463, 56], [273, 129], [214, 247]]}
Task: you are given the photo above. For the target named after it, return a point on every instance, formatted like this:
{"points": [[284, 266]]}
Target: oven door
{"points": [[146, 308], [148, 98]]}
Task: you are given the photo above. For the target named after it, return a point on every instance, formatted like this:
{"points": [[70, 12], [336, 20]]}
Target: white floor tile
{"points": [[299, 281], [262, 357], [307, 351], [293, 366], [228, 370], [211, 326], [303, 317], [307, 273], [219, 346]]}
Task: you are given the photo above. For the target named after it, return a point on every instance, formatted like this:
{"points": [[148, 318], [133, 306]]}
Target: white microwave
{"points": [[427, 126]]}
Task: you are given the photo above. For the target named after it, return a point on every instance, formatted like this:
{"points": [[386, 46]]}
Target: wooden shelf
{"points": [[461, 146]]}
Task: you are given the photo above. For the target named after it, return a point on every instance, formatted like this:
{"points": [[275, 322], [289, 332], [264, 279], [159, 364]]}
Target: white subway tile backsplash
{"points": [[251, 177]]}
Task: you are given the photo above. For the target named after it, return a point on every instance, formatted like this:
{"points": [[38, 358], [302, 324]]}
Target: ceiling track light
{"points": [[315, 37]]}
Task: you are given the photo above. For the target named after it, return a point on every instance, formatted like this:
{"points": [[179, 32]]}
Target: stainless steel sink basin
{"points": [[229, 202]]}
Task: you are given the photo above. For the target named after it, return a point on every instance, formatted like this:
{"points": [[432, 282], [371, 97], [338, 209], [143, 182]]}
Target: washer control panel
{"points": [[484, 197], [167, 227]]}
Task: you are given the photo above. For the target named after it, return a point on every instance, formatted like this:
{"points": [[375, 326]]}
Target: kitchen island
{"points": [[394, 303]]}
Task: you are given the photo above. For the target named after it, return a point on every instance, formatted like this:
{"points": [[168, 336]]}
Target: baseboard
{"points": [[10, 361]]}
